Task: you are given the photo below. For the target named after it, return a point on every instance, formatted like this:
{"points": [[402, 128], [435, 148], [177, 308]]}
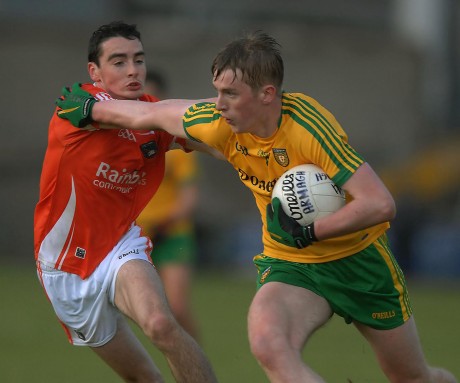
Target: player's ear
{"points": [[93, 71], [268, 93]]}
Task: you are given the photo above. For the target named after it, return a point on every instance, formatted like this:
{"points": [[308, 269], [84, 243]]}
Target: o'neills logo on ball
{"points": [[296, 194]]}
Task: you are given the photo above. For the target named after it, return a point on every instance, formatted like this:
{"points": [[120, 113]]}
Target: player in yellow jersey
{"points": [[168, 221], [342, 263]]}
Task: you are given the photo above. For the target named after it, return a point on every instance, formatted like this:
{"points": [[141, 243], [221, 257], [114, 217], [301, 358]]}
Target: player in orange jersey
{"points": [[342, 263], [92, 259]]}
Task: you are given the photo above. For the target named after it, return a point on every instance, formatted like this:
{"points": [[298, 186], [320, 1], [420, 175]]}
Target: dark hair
{"points": [[105, 32], [257, 56]]}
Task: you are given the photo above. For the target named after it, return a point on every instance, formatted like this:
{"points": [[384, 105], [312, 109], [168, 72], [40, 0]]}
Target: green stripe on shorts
{"points": [[367, 287]]}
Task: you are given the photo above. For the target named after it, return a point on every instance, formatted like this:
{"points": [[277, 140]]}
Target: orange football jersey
{"points": [[94, 184]]}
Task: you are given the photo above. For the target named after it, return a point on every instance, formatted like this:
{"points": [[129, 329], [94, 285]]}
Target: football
{"points": [[307, 193]]}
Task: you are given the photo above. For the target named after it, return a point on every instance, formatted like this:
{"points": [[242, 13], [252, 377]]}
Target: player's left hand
{"points": [[76, 105], [287, 230]]}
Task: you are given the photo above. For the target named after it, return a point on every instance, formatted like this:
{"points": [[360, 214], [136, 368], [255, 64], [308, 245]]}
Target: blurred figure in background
{"points": [[156, 84], [168, 221]]}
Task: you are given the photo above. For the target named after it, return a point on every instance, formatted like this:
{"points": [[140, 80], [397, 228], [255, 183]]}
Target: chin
{"points": [[236, 129], [130, 95], [240, 129]]}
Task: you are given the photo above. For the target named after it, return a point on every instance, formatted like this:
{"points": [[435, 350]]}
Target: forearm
{"points": [[139, 115], [123, 113], [371, 203], [354, 216]]}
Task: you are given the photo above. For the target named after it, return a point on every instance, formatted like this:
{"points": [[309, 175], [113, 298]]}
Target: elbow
{"points": [[387, 209]]}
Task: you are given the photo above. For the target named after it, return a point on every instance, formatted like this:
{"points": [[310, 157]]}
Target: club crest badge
{"points": [[149, 149], [80, 253], [281, 156]]}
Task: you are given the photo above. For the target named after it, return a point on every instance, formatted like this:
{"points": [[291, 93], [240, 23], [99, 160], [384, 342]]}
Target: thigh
{"points": [[139, 291], [125, 354], [290, 311]]}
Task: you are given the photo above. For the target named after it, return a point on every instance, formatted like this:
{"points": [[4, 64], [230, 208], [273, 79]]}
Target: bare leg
{"points": [[126, 355], [281, 320], [400, 355], [140, 295]]}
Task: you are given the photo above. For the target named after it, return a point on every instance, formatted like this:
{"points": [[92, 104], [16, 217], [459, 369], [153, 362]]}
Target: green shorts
{"points": [[179, 248], [367, 287]]}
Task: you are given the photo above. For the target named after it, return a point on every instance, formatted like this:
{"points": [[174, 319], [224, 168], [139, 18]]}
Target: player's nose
{"points": [[220, 105]]}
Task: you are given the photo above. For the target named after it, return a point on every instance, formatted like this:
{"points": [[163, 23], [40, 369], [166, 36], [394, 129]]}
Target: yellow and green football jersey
{"points": [[307, 133]]}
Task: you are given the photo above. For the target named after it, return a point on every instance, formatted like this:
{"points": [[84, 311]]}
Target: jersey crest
{"points": [[281, 156]]}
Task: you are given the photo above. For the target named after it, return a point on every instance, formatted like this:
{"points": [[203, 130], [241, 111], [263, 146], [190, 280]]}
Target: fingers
{"points": [[76, 86], [270, 211], [65, 92], [277, 208]]}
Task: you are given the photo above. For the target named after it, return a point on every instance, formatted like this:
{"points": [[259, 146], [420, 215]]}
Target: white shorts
{"points": [[86, 307]]}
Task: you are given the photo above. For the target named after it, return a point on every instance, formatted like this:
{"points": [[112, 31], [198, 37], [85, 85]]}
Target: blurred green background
{"points": [[34, 347]]}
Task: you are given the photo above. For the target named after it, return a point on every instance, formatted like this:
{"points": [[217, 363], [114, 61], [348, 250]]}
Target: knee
{"points": [[266, 346], [161, 328]]}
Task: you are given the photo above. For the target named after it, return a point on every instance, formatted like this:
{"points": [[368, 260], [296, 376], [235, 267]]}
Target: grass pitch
{"points": [[33, 347]]}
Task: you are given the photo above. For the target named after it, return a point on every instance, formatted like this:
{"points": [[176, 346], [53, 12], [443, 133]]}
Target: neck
{"points": [[269, 123]]}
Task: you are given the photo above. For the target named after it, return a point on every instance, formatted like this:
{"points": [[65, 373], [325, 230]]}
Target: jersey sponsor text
{"points": [[253, 180], [119, 180]]}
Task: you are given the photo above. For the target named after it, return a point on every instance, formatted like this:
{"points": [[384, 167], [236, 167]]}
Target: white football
{"points": [[307, 193]]}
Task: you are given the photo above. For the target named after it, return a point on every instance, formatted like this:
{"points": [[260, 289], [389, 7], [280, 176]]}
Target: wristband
{"points": [[310, 232]]}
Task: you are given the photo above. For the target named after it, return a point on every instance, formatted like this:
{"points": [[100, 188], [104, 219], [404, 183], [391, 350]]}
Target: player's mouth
{"points": [[134, 86], [228, 120]]}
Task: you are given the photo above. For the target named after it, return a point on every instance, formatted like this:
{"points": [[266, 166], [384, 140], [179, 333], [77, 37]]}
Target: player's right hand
{"points": [[287, 230], [76, 105]]}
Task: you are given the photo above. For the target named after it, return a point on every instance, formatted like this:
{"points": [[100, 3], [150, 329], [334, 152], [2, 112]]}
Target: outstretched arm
{"points": [[139, 115], [81, 108]]}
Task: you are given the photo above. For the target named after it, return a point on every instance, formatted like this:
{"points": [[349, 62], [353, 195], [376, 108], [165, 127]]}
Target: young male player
{"points": [[340, 264], [92, 259]]}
